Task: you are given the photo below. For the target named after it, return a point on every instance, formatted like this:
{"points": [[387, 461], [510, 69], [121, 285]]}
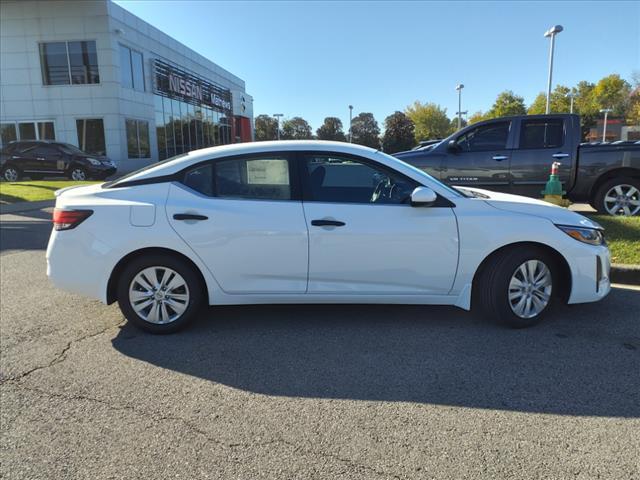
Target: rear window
{"points": [[542, 133]]}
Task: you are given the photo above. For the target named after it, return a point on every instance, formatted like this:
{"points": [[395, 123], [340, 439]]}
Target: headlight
{"points": [[584, 235], [93, 161]]}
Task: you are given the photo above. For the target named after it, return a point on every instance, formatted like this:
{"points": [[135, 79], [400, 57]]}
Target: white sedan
{"points": [[316, 222]]}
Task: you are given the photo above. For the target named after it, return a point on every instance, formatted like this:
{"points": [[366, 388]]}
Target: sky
{"points": [[313, 59]]}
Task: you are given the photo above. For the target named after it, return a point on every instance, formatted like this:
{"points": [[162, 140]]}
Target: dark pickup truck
{"points": [[514, 155]]}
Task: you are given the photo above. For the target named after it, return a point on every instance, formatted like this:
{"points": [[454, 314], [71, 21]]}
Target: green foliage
{"points": [[560, 102], [331, 129], [399, 133], [539, 105], [296, 128], [365, 130], [266, 128], [477, 117], [454, 124], [613, 92], [34, 191], [507, 103], [430, 120]]}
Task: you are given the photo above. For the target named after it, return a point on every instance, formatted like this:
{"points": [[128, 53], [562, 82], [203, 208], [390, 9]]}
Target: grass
{"points": [[623, 237], [28, 191]]}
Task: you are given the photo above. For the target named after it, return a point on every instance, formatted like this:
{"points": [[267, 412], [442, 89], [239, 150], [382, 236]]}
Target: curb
{"points": [[26, 206], [627, 274]]}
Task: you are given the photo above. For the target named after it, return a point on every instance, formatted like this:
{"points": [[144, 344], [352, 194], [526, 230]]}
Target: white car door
{"points": [[366, 238], [242, 218]]}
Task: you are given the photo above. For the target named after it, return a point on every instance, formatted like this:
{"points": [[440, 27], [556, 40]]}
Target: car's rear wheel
{"points": [[160, 293], [11, 174], [619, 196], [518, 287], [78, 174]]}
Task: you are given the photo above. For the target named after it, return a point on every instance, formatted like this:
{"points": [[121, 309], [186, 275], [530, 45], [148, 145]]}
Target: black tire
{"points": [[18, 174], [491, 287], [598, 200], [81, 171], [188, 273]]}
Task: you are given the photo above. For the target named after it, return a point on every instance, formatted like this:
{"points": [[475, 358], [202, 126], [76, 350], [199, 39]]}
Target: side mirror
{"points": [[453, 146], [423, 197]]}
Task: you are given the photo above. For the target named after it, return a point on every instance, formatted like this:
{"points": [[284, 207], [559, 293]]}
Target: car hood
{"points": [[532, 206]]}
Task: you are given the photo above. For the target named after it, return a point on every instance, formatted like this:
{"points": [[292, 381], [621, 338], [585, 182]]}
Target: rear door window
{"points": [[542, 133]]}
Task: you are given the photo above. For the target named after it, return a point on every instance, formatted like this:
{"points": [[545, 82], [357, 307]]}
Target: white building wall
{"points": [[25, 24]]}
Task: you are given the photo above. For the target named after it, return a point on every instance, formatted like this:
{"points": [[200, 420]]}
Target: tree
{"points": [[633, 114], [430, 120], [296, 128], [266, 128], [613, 92], [454, 124], [331, 129], [507, 103], [477, 117], [365, 130], [559, 101], [399, 133]]}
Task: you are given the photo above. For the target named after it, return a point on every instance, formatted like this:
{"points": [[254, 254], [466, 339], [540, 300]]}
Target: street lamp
{"points": [[571, 96], [350, 120], [552, 32], [459, 88], [604, 130], [278, 115], [459, 113]]}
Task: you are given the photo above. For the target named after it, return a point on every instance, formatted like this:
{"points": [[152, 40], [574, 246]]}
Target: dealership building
{"points": [[96, 76]]}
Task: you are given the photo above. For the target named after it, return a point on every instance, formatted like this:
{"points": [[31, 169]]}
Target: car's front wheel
{"points": [[11, 174], [160, 293], [518, 287]]}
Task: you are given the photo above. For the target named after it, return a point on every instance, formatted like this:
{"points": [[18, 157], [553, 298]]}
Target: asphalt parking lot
{"points": [[300, 392]]}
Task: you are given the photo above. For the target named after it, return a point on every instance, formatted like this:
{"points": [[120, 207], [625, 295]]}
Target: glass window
{"points": [[485, 137], [46, 131], [63, 63], [7, 133], [45, 150], [253, 178], [83, 62], [200, 179], [54, 63], [27, 131], [126, 75], [137, 138], [131, 68], [178, 127], [91, 135], [542, 133], [137, 67], [345, 180]]}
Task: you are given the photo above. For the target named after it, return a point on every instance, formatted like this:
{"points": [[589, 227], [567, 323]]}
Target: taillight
{"points": [[68, 219]]}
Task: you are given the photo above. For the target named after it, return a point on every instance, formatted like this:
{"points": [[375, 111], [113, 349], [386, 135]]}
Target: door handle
{"points": [[560, 155], [189, 216], [327, 223], [40, 158], [499, 158]]}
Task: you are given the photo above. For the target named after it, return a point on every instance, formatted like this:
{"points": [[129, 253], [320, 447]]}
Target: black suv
{"points": [[38, 159]]}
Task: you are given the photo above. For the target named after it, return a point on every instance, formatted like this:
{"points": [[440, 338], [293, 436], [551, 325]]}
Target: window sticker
{"points": [[268, 172]]}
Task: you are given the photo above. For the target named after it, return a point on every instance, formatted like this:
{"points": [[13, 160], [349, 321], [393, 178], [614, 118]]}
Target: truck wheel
{"points": [[618, 196], [518, 288]]}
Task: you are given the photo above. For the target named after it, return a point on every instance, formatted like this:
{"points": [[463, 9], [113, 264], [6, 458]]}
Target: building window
{"points": [[137, 138], [10, 131], [131, 69], [7, 133], [65, 63], [91, 135]]}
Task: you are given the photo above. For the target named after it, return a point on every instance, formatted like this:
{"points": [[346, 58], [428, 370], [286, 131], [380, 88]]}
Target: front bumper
{"points": [[102, 171], [590, 275]]}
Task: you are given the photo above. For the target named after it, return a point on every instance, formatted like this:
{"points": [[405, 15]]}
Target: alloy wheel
{"points": [[530, 289], [11, 175], [159, 295], [622, 200], [78, 175]]}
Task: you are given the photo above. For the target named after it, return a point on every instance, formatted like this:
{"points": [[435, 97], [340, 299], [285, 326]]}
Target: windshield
{"points": [[143, 169], [424, 174]]}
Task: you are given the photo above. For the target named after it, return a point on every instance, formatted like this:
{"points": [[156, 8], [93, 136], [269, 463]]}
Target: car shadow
{"points": [[584, 361]]}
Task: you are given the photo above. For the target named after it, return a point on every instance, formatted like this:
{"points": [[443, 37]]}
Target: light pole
{"points": [[350, 120], [278, 115], [604, 130], [459, 113], [459, 88], [571, 96], [552, 32]]}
